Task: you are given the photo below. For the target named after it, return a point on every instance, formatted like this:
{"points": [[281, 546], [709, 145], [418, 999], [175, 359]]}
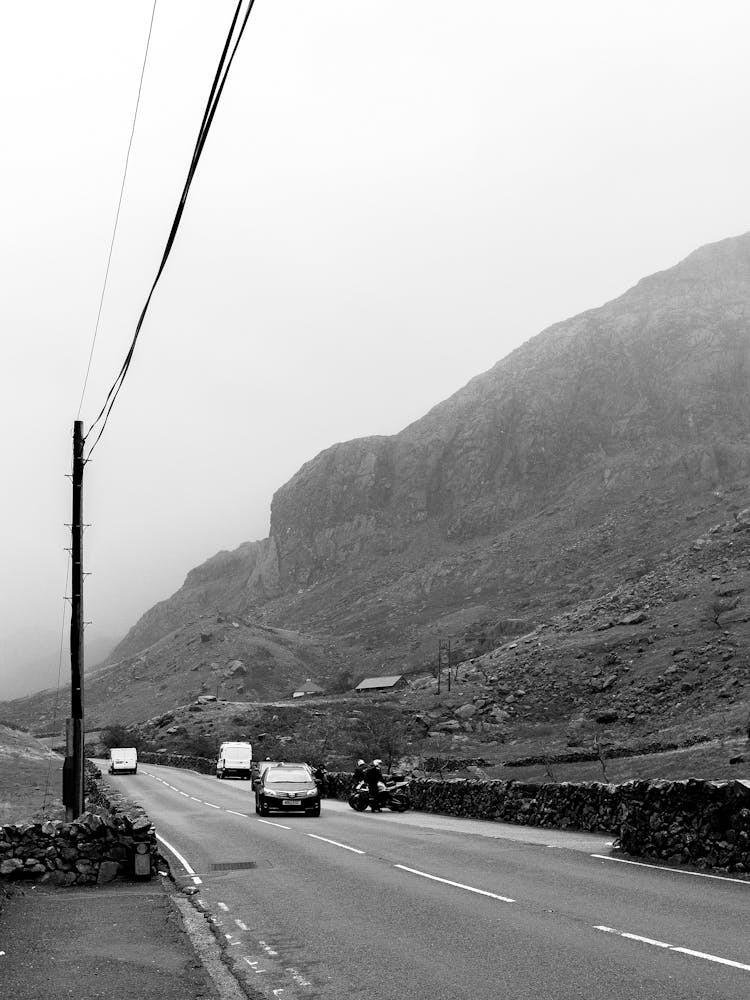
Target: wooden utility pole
{"points": [[73, 785]]}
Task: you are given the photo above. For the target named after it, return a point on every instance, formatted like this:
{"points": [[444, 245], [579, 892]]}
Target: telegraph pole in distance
{"points": [[73, 786]]}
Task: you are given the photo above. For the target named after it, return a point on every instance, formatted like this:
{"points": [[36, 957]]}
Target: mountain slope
{"points": [[580, 462]]}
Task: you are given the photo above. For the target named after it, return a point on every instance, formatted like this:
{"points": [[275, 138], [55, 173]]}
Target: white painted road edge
{"points": [[183, 862], [679, 871], [672, 947]]}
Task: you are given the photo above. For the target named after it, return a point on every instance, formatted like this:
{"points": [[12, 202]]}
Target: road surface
{"points": [[427, 907]]}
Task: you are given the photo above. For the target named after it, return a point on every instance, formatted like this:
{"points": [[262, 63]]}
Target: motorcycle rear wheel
{"points": [[358, 802]]}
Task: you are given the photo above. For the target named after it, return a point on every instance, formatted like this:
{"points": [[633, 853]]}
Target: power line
{"points": [[214, 96], [119, 206]]}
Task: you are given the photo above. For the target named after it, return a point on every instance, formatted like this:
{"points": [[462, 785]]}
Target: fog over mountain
{"points": [[589, 457], [32, 659]]}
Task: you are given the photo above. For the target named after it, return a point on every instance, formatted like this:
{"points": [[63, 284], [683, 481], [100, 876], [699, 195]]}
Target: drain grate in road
{"points": [[233, 866]]}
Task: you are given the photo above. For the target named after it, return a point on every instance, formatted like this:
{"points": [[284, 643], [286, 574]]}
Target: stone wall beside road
{"points": [[704, 824], [97, 847]]}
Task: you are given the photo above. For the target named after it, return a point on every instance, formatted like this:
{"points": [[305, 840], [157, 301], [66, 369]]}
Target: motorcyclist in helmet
{"points": [[359, 772], [373, 777]]}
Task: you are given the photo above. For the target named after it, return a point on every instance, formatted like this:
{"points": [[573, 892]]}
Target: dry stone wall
{"points": [[97, 847], [200, 764], [704, 824]]}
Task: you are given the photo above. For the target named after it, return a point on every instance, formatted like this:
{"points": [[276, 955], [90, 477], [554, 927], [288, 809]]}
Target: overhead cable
{"points": [[208, 116], [117, 213]]}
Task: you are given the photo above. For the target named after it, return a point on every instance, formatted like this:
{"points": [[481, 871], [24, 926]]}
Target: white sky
{"points": [[393, 196]]}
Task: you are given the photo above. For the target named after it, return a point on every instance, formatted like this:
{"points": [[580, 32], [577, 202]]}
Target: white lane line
{"points": [[223, 906], [457, 885], [673, 947], [269, 823], [244, 815], [211, 804], [183, 862], [712, 958], [297, 976], [679, 871], [195, 800], [185, 794], [242, 927], [335, 843], [253, 963]]}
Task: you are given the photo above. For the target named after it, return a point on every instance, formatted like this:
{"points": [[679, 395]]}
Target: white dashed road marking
{"points": [[335, 843], [457, 885], [223, 906], [243, 815], [269, 823], [673, 947]]}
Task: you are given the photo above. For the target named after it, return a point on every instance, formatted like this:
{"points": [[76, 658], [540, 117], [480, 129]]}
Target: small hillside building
{"points": [[391, 683], [307, 688]]}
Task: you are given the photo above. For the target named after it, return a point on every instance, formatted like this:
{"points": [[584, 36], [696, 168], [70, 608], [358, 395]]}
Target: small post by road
{"points": [[73, 785]]}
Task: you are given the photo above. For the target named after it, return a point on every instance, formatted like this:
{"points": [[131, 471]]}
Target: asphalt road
{"points": [[435, 908]]}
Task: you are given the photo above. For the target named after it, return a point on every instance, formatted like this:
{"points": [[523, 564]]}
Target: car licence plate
{"points": [[290, 802]]}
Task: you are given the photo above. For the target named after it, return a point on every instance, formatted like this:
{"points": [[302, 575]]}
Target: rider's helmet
{"points": [[360, 763], [377, 762]]}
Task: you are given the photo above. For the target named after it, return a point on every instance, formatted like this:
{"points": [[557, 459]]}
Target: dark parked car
{"points": [[289, 788]]}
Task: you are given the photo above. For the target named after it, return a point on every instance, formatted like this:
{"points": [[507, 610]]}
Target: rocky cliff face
{"points": [[653, 382], [564, 470]]}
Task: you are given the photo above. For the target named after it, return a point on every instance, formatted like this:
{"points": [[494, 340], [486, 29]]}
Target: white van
{"points": [[234, 758], [123, 760]]}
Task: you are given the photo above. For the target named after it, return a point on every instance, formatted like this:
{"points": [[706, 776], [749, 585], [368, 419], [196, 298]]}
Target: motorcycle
{"points": [[394, 796]]}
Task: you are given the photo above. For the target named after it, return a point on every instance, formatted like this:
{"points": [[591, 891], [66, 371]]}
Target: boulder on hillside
{"points": [[607, 716]]}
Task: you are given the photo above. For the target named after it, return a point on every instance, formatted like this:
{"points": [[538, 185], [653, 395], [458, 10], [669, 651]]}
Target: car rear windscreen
{"points": [[275, 777]]}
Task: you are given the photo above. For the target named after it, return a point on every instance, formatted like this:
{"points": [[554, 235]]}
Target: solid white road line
{"points": [[679, 871], [183, 862], [269, 823], [673, 947], [335, 843], [457, 885]]}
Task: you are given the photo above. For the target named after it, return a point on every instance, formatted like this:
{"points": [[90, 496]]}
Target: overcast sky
{"points": [[393, 196]]}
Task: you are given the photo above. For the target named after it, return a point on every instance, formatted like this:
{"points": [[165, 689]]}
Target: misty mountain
{"points": [[575, 465]]}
